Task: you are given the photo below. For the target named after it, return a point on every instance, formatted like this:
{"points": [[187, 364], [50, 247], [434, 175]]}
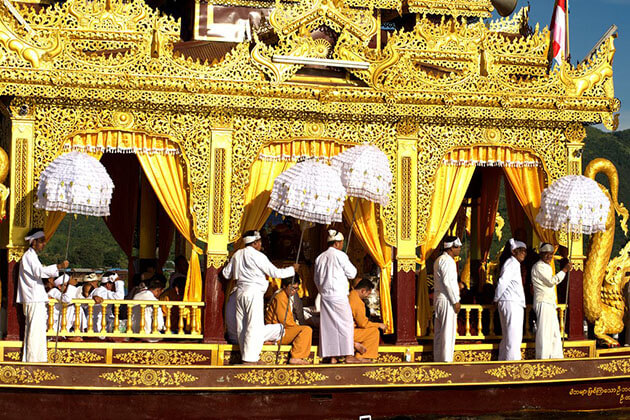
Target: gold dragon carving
{"points": [[604, 303]]}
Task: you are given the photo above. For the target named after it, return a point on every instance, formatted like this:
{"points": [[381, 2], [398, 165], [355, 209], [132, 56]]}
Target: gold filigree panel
{"points": [[281, 377], [616, 366], [161, 357], [252, 134], [526, 371], [434, 141], [406, 375], [191, 131], [23, 376], [148, 377]]}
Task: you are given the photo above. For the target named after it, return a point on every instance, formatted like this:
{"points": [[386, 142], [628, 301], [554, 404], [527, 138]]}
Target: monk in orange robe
{"points": [[299, 336], [365, 331]]}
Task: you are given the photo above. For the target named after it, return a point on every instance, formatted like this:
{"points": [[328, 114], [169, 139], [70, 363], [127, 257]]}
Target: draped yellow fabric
{"points": [[369, 231], [51, 223], [528, 184], [120, 141], [166, 175], [451, 183]]}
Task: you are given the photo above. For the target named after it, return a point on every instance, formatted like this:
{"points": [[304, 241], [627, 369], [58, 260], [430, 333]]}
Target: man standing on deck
{"points": [[33, 297], [548, 338], [333, 270], [446, 303], [248, 266]]}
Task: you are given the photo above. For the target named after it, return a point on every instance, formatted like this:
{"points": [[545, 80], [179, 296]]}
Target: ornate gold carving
{"points": [[122, 119], [593, 74], [21, 182], [406, 264], [526, 371], [216, 261], [15, 254], [406, 374], [21, 375], [572, 353], [604, 281], [472, 356], [575, 133], [219, 191], [406, 195], [492, 135], [148, 377], [73, 356], [13, 355], [389, 358], [161, 357], [616, 366], [281, 377], [476, 8]]}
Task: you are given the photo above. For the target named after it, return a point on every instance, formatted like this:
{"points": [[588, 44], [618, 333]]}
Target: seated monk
{"points": [[365, 332], [299, 336]]}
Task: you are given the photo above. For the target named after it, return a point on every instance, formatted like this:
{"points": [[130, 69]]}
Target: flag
{"points": [[559, 32]]}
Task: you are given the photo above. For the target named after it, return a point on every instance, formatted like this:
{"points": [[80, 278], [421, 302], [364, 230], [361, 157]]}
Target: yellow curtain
{"points": [[166, 175], [51, 223], [528, 183], [451, 183], [369, 231], [119, 141]]}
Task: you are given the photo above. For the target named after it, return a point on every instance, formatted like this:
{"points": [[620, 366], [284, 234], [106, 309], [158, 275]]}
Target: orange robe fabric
{"points": [[299, 336], [365, 332]]}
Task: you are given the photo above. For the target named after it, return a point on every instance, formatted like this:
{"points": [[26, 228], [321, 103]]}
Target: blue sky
{"points": [[589, 19]]}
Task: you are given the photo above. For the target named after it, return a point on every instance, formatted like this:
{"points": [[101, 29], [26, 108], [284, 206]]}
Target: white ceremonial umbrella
{"points": [[573, 204], [75, 183], [365, 172], [312, 192]]}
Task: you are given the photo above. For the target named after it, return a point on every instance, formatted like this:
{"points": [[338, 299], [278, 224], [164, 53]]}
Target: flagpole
{"points": [[566, 22]]}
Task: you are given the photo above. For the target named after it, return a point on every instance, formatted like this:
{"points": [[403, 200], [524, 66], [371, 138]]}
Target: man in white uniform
{"points": [[333, 271], [111, 288], [446, 300], [548, 338], [510, 298], [248, 266], [32, 295], [64, 290], [152, 293], [271, 332]]}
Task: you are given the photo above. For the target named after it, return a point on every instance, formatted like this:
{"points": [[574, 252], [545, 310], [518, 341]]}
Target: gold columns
{"points": [[407, 170], [219, 197], [22, 182], [575, 135]]}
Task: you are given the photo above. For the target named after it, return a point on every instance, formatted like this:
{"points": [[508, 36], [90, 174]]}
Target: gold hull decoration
{"points": [[472, 356], [616, 366], [570, 353], [604, 281], [148, 377], [281, 377], [526, 371], [160, 357], [406, 375], [23, 376], [62, 356]]}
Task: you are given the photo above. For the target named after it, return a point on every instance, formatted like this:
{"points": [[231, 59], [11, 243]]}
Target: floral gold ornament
{"points": [[281, 377], [616, 366], [148, 377], [161, 357], [73, 356], [406, 375], [21, 375], [526, 371]]}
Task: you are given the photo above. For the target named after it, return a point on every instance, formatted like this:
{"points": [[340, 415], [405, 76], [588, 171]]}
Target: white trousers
{"points": [[511, 314], [336, 333], [34, 350], [250, 323], [444, 331], [548, 339]]}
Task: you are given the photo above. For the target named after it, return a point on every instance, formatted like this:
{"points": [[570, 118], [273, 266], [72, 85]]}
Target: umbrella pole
{"points": [[286, 311], [566, 297], [61, 302], [354, 213]]}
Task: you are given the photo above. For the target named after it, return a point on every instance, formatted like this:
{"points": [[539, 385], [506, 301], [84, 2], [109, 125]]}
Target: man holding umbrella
{"points": [[248, 266], [333, 270], [33, 297]]}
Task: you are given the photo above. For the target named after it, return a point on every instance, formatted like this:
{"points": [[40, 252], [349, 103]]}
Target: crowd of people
{"points": [[345, 332], [338, 316], [509, 296], [39, 284]]}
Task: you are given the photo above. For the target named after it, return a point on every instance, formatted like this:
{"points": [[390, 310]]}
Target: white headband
{"points": [[334, 236], [34, 236], [90, 277], [546, 248], [62, 279], [253, 238], [455, 243], [514, 244]]}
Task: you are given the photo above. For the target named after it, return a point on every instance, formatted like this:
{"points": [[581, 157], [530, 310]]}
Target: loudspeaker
{"points": [[504, 7]]}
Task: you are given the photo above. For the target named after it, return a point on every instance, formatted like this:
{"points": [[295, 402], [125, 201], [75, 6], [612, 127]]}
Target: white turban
{"points": [[62, 279], [334, 236], [34, 236], [253, 238], [109, 279], [514, 244], [90, 277], [546, 248], [454, 243]]}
